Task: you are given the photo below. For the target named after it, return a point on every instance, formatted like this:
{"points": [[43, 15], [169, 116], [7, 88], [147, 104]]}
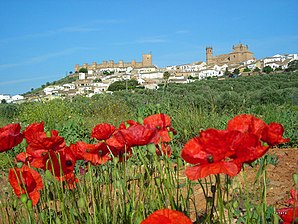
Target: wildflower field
{"points": [[204, 152]]}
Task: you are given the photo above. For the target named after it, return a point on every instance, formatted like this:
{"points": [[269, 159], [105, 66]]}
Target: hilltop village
{"points": [[95, 78]]}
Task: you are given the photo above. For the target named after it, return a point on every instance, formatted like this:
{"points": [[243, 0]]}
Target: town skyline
{"points": [[43, 42]]}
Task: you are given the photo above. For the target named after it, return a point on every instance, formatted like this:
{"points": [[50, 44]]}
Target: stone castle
{"points": [[240, 54], [146, 62]]}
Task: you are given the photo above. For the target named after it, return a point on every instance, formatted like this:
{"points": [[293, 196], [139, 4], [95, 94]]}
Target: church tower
{"points": [[209, 55]]}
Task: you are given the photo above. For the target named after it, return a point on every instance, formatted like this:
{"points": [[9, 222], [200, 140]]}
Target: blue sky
{"points": [[41, 41]]}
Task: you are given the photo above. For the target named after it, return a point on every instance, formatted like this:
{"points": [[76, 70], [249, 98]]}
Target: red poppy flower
{"points": [[162, 123], [272, 134], [167, 216], [200, 171], [287, 214], [22, 157], [163, 149], [102, 131], [211, 146], [248, 148], [26, 181], [96, 154], [40, 143], [294, 197], [247, 123], [211, 151], [31, 130], [126, 124], [134, 135], [60, 163], [69, 180], [159, 121], [10, 136]]}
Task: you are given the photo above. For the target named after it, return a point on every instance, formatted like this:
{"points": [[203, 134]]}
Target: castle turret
{"points": [[147, 60], [77, 68], [209, 55]]}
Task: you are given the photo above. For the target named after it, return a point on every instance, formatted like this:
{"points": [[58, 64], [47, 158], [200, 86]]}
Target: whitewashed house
{"points": [[5, 97], [17, 98], [151, 75]]}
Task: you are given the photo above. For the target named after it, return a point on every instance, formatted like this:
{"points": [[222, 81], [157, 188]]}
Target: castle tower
{"points": [[77, 67], [209, 55], [147, 60]]}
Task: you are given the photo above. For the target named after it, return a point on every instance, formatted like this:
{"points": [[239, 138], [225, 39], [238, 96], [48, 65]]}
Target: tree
{"points": [[3, 101], [83, 70], [267, 69], [227, 72], [97, 80], [166, 75], [246, 70], [257, 69], [236, 71], [292, 66], [123, 85]]}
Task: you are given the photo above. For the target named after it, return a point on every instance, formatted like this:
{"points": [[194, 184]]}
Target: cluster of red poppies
{"points": [[48, 151], [245, 139], [287, 214]]}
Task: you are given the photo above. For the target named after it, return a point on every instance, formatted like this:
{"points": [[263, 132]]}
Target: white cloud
{"points": [[18, 81], [41, 58]]}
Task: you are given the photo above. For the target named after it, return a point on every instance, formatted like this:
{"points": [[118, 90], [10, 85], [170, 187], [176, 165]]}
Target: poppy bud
{"points": [[58, 221], [81, 203], [48, 133], [116, 160], [152, 149], [140, 120], [24, 198], [179, 162], [213, 188], [235, 204], [48, 175], [171, 134], [295, 177], [29, 204], [19, 164]]}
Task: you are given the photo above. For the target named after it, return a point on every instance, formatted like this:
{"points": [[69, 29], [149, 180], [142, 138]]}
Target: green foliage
{"points": [[97, 80], [227, 72], [123, 85], [166, 75], [236, 71], [9, 111], [246, 69], [267, 69], [83, 70], [52, 113], [292, 66]]}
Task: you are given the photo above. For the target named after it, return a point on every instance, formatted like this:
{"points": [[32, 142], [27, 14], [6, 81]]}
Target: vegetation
{"points": [[293, 66], [123, 85], [83, 70], [267, 69], [111, 193]]}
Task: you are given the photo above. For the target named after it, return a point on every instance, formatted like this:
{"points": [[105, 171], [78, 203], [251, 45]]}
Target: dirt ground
{"points": [[281, 176]]}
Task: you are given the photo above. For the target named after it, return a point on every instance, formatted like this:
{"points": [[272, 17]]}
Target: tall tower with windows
{"points": [[209, 55]]}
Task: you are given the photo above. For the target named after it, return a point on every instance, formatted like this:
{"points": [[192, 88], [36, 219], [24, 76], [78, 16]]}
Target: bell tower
{"points": [[209, 55]]}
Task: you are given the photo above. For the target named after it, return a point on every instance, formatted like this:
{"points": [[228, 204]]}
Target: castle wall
{"points": [[146, 62]]}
